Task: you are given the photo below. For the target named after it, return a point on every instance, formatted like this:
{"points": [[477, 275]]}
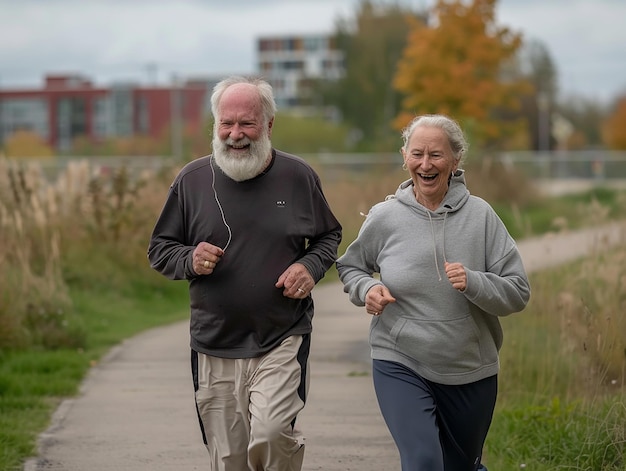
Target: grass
{"points": [[572, 211], [562, 401], [76, 280], [559, 436], [33, 382]]}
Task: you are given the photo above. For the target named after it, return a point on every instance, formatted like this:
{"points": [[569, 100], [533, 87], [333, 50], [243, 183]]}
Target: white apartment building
{"points": [[292, 63]]}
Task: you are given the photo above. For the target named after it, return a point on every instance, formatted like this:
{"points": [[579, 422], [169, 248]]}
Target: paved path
{"points": [[135, 410]]}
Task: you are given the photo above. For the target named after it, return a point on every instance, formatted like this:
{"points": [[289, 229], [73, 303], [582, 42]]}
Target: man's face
{"points": [[241, 138]]}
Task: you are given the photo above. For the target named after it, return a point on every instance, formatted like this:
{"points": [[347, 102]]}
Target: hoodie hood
{"points": [[454, 199]]}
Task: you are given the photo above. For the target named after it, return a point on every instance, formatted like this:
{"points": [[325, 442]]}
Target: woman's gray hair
{"points": [[266, 94], [456, 138]]}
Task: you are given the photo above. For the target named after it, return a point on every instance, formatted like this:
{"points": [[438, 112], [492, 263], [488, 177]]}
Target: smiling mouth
{"points": [[427, 177], [239, 144]]}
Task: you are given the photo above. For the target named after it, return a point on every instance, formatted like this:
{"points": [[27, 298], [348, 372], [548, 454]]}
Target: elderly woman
{"points": [[436, 267]]}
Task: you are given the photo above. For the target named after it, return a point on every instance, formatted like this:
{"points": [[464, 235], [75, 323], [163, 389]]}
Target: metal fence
{"points": [[588, 165]]}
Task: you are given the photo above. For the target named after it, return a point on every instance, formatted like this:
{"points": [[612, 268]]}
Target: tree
{"points": [[615, 126], [538, 67], [587, 117], [458, 66], [372, 47]]}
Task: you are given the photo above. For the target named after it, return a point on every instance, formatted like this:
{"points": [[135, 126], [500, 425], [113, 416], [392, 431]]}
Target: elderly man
{"points": [[250, 229]]}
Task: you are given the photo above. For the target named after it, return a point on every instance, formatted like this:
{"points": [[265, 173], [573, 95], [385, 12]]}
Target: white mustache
{"points": [[240, 143]]}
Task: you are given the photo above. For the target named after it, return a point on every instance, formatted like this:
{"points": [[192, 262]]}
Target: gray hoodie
{"points": [[446, 336]]}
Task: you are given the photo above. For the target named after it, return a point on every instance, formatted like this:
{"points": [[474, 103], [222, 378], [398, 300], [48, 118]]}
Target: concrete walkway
{"points": [[135, 410]]}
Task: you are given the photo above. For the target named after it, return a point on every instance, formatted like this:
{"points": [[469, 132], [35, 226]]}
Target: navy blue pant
{"points": [[436, 427]]}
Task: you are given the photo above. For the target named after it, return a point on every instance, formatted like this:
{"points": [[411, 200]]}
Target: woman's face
{"points": [[430, 162]]}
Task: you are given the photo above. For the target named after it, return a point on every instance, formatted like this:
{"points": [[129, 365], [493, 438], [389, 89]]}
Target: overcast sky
{"points": [[139, 40]]}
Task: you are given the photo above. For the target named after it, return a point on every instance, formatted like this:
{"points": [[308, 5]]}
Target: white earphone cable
{"points": [[219, 205]]}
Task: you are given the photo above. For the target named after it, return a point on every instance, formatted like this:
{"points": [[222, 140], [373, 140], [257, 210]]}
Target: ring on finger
{"points": [[206, 264], [300, 290]]}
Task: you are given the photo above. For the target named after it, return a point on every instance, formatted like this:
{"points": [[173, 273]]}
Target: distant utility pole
{"points": [[543, 121]]}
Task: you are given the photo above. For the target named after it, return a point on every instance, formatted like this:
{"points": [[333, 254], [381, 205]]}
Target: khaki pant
{"points": [[248, 407]]}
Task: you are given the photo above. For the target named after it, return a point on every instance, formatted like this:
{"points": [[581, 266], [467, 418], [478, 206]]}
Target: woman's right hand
{"points": [[377, 298]]}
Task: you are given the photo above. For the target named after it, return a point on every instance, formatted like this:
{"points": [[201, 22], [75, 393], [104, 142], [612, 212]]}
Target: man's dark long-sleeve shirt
{"points": [[276, 219]]}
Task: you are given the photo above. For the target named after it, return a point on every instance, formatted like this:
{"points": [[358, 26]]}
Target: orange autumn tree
{"points": [[463, 66], [614, 129]]}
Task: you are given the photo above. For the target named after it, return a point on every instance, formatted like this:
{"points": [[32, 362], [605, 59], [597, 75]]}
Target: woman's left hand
{"points": [[457, 276]]}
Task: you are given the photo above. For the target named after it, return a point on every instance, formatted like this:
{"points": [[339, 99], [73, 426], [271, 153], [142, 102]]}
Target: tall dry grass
{"points": [[77, 228], [33, 296], [570, 342], [562, 398]]}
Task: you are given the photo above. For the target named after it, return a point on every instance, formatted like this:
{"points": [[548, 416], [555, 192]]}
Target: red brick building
{"points": [[69, 106]]}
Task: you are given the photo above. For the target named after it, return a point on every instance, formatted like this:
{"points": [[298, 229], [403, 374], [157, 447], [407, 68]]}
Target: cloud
{"points": [[585, 39], [109, 37], [111, 40]]}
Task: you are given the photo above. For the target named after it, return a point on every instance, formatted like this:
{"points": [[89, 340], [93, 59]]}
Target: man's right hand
{"points": [[205, 257]]}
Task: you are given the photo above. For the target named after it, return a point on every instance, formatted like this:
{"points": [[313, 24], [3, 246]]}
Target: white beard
{"points": [[242, 166]]}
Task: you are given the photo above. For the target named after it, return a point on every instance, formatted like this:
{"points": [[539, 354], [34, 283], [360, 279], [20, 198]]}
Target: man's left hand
{"points": [[296, 281]]}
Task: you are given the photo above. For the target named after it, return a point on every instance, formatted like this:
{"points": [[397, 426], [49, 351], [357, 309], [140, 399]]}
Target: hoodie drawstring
{"points": [[432, 231], [443, 237]]}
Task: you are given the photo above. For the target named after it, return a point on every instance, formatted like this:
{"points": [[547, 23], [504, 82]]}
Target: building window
{"points": [[102, 118], [122, 111], [24, 114], [314, 43], [290, 65], [71, 121], [143, 115]]}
